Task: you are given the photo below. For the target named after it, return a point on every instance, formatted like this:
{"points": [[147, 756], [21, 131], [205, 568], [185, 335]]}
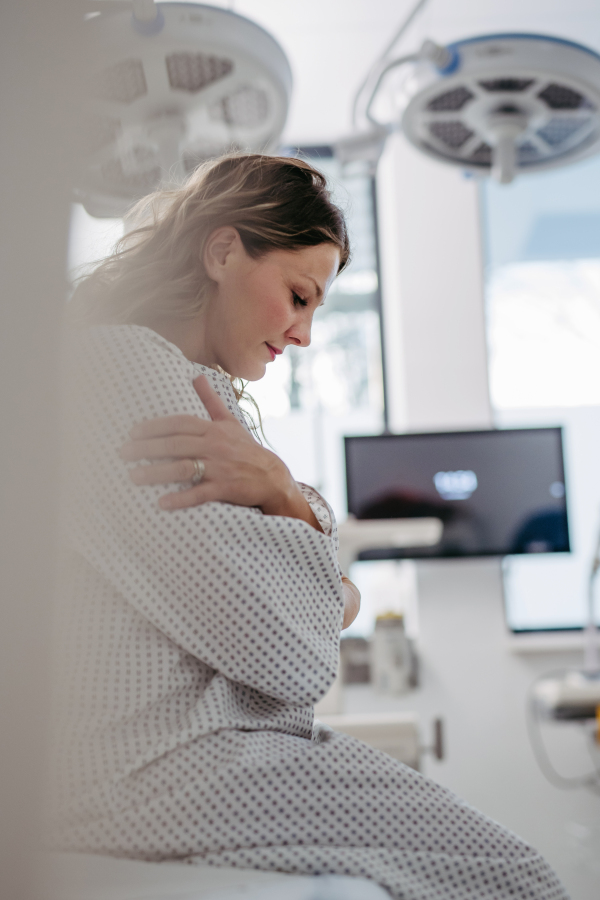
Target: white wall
{"points": [[437, 375]]}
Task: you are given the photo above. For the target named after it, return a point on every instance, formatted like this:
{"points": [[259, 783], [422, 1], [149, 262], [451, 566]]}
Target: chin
{"points": [[257, 373], [252, 371]]}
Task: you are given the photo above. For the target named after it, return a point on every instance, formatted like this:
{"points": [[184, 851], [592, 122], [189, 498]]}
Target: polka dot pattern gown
{"points": [[192, 647]]}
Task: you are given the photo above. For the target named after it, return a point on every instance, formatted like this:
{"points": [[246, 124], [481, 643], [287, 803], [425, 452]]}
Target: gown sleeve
{"points": [[257, 598], [323, 512]]}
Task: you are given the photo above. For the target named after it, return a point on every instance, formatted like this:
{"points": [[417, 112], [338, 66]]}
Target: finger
{"points": [[164, 473], [213, 403], [169, 425], [195, 496], [175, 446]]}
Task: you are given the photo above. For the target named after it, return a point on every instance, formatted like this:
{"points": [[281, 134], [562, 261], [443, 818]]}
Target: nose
{"points": [[299, 332]]}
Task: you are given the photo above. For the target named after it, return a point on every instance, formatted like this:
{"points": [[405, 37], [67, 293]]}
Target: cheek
{"points": [[273, 313]]}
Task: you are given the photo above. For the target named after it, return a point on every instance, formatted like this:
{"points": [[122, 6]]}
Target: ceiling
{"points": [[331, 43]]}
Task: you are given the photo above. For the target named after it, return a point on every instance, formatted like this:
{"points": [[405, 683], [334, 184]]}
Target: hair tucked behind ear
{"points": [[157, 269]]}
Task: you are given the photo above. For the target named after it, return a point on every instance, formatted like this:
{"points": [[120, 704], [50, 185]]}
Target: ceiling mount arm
{"points": [[383, 56]]}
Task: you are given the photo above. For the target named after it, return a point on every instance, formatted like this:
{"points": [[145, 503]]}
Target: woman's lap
{"points": [[271, 801]]}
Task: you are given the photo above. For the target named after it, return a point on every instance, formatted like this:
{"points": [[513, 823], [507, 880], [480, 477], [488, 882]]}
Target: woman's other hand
{"points": [[351, 601], [237, 469]]}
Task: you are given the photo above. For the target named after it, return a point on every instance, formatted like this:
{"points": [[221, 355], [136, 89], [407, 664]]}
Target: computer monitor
{"points": [[497, 492]]}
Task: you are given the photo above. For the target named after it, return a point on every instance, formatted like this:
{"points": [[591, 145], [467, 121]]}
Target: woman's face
{"points": [[260, 306]]}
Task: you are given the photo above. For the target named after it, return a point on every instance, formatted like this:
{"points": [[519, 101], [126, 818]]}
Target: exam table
{"points": [[83, 876]]}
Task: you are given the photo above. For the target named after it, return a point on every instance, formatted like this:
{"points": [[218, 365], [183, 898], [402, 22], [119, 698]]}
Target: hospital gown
{"points": [[192, 647]]}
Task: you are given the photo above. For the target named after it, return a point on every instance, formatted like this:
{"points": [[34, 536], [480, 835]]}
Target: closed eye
{"points": [[298, 301]]}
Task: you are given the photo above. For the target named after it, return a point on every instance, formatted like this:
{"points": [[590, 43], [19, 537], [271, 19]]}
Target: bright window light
{"points": [[543, 321]]}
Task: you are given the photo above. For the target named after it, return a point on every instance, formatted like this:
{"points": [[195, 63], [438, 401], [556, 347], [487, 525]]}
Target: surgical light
{"points": [[171, 85], [500, 104]]}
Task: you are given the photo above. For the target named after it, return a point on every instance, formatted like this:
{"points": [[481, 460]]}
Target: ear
{"points": [[221, 246]]}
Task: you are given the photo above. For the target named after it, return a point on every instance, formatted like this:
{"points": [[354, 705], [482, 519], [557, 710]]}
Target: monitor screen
{"points": [[496, 492]]}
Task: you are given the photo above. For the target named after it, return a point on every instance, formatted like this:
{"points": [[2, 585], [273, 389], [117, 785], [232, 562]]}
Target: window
{"points": [[543, 319], [543, 288], [90, 239]]}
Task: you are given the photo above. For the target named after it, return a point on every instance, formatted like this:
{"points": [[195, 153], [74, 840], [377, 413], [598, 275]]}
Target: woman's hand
{"points": [[237, 469], [351, 601]]}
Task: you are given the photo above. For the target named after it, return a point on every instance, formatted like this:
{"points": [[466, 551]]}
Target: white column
{"points": [[432, 293]]}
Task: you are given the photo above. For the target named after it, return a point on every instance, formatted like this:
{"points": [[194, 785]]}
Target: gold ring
{"points": [[199, 468]]}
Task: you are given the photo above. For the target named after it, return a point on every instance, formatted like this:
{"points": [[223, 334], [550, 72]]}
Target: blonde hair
{"points": [[157, 269]]}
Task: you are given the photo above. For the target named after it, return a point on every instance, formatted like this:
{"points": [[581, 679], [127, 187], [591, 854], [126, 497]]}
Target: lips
{"points": [[274, 351]]}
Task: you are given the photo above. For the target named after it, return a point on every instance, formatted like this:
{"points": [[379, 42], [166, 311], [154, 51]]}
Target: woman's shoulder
{"points": [[114, 356], [134, 351], [132, 344], [121, 374], [136, 358], [127, 340]]}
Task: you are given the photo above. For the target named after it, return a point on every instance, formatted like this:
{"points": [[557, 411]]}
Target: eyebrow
{"points": [[318, 287]]}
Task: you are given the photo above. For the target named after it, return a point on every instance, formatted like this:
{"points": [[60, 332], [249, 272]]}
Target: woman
{"points": [[201, 626]]}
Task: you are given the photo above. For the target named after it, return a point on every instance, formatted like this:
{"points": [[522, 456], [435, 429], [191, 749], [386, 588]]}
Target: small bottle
{"points": [[391, 657]]}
